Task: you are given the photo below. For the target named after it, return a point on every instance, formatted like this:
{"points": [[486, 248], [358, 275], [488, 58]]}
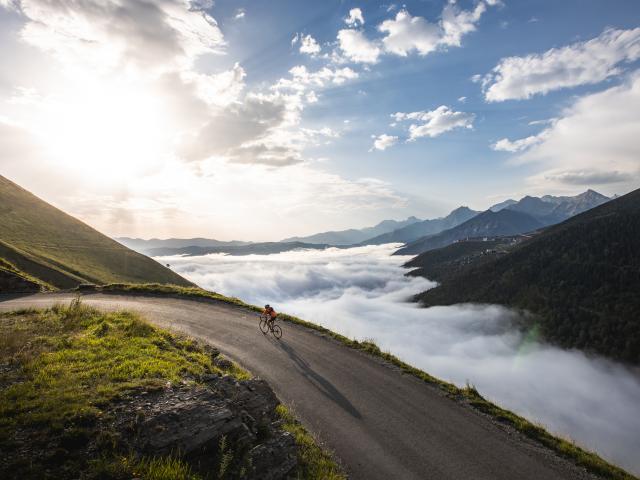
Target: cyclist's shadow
{"points": [[322, 384]]}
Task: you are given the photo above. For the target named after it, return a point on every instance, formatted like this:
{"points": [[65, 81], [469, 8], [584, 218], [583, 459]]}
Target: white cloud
{"points": [[240, 13], [590, 177], [309, 45], [506, 145], [357, 47], [220, 89], [110, 34], [406, 33], [264, 128], [301, 78], [384, 141], [581, 63], [435, 122], [362, 293], [594, 142], [355, 18], [462, 99], [456, 23]]}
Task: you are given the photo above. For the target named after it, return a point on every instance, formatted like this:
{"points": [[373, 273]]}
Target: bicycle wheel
{"points": [[277, 331], [264, 325]]}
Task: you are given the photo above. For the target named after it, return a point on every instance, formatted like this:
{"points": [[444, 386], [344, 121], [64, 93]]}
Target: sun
{"points": [[106, 130]]}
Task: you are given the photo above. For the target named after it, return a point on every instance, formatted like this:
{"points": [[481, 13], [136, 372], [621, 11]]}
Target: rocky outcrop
{"points": [[223, 428], [223, 424]]}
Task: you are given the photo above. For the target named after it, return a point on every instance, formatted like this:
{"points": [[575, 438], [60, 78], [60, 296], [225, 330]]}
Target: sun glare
{"points": [[107, 131]]}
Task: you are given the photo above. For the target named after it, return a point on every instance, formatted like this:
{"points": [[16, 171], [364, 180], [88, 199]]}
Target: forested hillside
{"points": [[581, 278]]}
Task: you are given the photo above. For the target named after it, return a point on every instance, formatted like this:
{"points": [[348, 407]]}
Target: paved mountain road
{"points": [[381, 424]]}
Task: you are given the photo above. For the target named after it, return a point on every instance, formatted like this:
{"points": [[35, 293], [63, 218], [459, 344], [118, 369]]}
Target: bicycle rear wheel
{"points": [[277, 331], [264, 325]]}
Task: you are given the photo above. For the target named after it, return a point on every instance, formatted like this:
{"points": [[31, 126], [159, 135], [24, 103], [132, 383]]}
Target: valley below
{"points": [[363, 293]]}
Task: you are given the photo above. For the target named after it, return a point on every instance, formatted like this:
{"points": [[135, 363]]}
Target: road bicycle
{"points": [[268, 325]]}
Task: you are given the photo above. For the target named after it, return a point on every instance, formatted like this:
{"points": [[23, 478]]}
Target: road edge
{"points": [[467, 396]]}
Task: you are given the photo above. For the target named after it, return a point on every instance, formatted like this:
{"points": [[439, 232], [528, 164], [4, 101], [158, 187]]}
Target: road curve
{"points": [[380, 423]]}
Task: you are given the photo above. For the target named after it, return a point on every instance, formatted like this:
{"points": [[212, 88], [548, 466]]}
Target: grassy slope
{"points": [[60, 250], [469, 395], [68, 362], [581, 278], [10, 268]]}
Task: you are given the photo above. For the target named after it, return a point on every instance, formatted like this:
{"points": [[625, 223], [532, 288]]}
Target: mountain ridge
{"points": [[62, 251], [425, 227], [486, 224], [353, 236], [580, 278]]}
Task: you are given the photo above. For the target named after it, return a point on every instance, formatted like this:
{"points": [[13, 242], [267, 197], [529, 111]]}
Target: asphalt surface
{"points": [[380, 423]]}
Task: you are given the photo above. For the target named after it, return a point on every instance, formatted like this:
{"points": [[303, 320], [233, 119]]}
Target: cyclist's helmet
{"points": [[267, 306]]}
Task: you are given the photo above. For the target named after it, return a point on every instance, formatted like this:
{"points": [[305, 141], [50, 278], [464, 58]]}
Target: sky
{"points": [[260, 120]]}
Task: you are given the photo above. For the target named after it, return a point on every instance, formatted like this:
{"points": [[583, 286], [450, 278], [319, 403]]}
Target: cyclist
{"points": [[270, 313]]}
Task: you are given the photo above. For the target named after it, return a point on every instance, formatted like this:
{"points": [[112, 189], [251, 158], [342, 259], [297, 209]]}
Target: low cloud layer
{"points": [[362, 292]]}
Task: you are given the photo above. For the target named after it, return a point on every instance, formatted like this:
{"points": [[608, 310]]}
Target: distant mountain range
{"points": [[486, 224], [143, 246], [353, 236], [506, 218], [510, 218], [549, 209], [581, 278], [416, 230], [263, 248]]}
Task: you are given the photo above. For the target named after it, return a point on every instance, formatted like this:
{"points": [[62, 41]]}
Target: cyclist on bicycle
{"points": [[271, 313]]}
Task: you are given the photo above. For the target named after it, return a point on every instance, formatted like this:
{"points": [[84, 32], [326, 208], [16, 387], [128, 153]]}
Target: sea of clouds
{"points": [[362, 293]]}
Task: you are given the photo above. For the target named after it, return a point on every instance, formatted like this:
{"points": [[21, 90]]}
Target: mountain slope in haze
{"points": [[426, 227], [264, 248], [487, 224], [549, 209], [581, 278], [143, 246], [353, 236], [499, 206], [62, 251], [571, 206]]}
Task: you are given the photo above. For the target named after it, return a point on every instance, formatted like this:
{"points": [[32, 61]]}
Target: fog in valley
{"points": [[362, 293]]}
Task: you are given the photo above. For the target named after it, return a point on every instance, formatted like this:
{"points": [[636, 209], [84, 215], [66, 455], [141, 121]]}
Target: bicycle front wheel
{"points": [[264, 325], [277, 331]]}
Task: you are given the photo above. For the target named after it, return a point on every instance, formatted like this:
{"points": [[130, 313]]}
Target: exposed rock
{"points": [[198, 421]]}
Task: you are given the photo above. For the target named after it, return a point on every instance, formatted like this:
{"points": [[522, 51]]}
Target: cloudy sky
{"points": [[265, 119]]}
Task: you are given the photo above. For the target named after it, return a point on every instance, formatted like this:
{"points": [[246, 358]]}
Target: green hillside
{"points": [[57, 249], [581, 278]]}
